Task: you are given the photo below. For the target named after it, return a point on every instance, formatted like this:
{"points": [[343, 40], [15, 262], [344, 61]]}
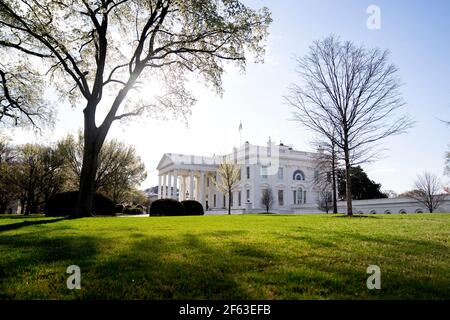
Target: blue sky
{"points": [[416, 32]]}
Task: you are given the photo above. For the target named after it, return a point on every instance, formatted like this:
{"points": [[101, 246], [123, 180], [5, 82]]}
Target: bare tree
{"points": [[447, 163], [267, 199], [229, 175], [325, 201], [390, 194], [428, 191], [326, 162], [350, 96], [109, 48]]}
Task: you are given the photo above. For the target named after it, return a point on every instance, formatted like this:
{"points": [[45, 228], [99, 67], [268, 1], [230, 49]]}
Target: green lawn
{"points": [[227, 257]]}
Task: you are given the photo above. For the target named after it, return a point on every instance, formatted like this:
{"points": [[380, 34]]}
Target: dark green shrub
{"points": [[139, 209], [193, 208], [62, 204], [128, 210], [166, 207], [119, 208]]}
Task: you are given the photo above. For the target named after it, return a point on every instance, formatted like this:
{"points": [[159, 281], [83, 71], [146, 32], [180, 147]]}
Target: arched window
{"points": [[298, 175], [373, 212], [403, 211], [387, 212], [419, 211]]}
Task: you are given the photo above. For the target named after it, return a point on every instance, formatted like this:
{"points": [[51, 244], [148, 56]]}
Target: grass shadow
{"points": [[14, 226]]}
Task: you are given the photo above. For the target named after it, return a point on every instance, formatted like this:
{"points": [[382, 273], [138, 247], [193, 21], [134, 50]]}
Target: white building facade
{"points": [[288, 173]]}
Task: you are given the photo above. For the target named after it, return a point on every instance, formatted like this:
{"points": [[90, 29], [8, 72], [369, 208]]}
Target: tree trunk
{"points": [[93, 142], [28, 204], [22, 205], [348, 187], [333, 173], [229, 202], [3, 208]]}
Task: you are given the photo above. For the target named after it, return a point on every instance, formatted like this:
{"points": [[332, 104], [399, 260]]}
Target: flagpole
{"points": [[240, 134]]}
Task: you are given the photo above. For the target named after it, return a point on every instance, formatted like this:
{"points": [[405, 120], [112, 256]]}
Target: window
{"points": [[248, 172], [280, 173], [239, 198], [231, 200], [224, 201], [240, 175], [298, 175], [248, 195], [299, 196], [215, 201], [280, 198], [264, 172], [207, 182], [304, 196]]}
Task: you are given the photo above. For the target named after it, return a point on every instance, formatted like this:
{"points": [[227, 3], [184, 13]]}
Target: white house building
{"points": [[289, 173]]}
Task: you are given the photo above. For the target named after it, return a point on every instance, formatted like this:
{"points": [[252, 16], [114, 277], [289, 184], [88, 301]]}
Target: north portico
{"points": [[186, 177]]}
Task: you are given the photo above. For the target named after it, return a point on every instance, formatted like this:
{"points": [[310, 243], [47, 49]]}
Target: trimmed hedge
{"points": [[193, 208], [166, 207], [133, 210], [127, 210], [119, 208], [62, 204]]}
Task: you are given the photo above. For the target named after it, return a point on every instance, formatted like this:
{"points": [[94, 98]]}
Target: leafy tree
{"points": [[138, 197], [35, 173], [54, 177], [267, 199], [96, 49], [120, 169], [350, 96], [229, 175], [21, 103], [7, 192], [363, 187]]}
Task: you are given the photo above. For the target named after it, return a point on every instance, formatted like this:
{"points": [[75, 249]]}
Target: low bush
{"points": [[128, 209], [62, 204], [119, 208], [166, 207], [139, 210], [193, 208]]}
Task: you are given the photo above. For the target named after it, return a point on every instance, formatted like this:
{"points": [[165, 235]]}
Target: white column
{"points": [[210, 192], [159, 187], [196, 184], [191, 185], [164, 187], [175, 185], [202, 189], [169, 185], [184, 188]]}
